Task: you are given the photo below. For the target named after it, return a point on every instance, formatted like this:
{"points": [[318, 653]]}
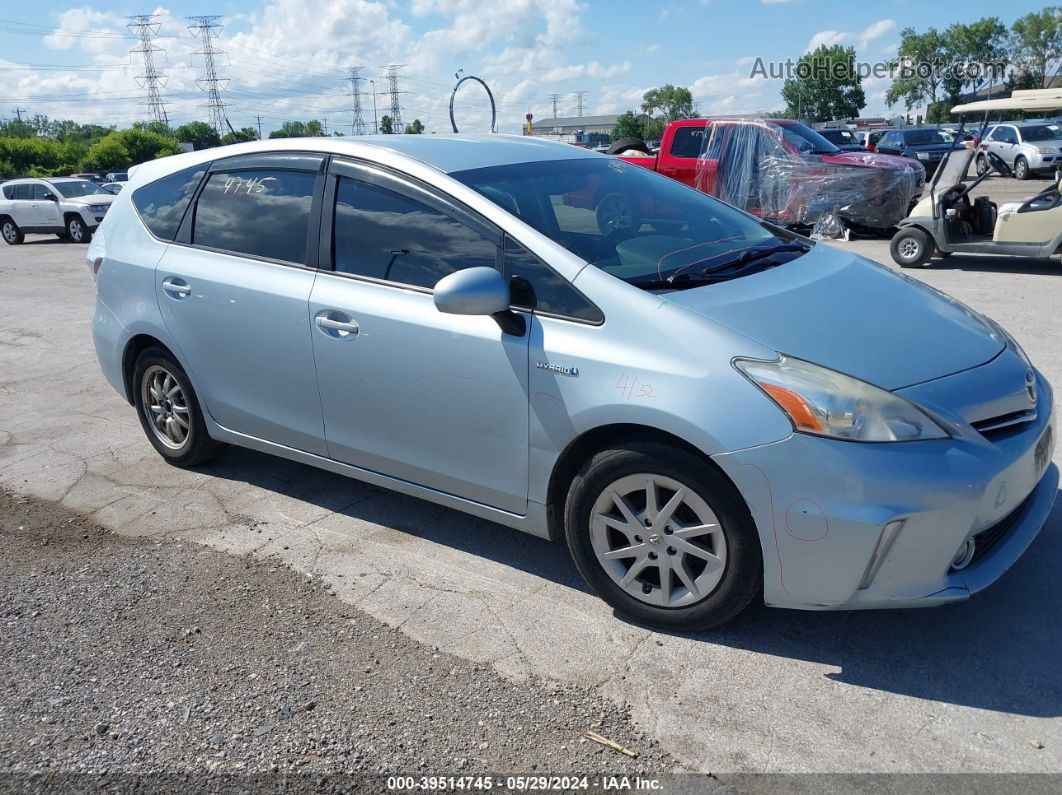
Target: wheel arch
{"points": [[594, 440], [136, 345]]}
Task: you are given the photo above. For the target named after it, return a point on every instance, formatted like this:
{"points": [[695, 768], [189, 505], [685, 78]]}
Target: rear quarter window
{"points": [[687, 142], [162, 203], [9, 191]]}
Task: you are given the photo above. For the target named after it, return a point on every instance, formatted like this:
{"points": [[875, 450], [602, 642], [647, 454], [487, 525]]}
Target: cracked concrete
{"points": [[970, 688]]}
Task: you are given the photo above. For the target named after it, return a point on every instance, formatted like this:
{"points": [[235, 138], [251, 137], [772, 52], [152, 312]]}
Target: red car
{"points": [[784, 171]]}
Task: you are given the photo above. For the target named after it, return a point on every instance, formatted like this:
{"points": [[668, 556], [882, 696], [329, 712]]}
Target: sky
{"points": [[288, 59]]}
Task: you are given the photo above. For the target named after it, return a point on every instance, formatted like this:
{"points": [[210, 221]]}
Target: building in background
{"points": [[587, 130]]}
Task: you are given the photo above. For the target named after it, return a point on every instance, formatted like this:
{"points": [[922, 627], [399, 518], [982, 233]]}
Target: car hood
{"points": [[841, 311], [868, 160], [93, 198]]}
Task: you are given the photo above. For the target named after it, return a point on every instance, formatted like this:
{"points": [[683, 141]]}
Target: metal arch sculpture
{"points": [[490, 96]]}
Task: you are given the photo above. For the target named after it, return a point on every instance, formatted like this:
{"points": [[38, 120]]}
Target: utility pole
{"points": [[324, 126], [259, 118], [141, 26], [375, 122], [393, 92], [18, 112], [357, 124], [206, 28], [579, 102], [555, 98]]}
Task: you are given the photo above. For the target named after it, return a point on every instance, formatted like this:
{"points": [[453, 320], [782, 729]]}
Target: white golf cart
{"points": [[946, 221]]}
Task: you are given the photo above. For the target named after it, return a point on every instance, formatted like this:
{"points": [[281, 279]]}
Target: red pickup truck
{"points": [[782, 171]]}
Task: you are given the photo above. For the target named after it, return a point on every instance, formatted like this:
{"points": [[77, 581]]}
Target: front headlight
{"points": [[1043, 150], [922, 155], [827, 403], [99, 209]]}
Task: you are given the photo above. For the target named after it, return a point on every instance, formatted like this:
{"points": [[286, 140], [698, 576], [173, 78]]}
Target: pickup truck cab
{"points": [[65, 206], [785, 172]]}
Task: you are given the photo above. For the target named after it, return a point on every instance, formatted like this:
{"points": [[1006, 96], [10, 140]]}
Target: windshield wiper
{"points": [[722, 267]]}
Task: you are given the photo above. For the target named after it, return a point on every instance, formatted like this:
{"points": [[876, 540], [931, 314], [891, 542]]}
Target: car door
{"points": [[233, 291], [45, 205], [22, 204], [1006, 140], [436, 399], [682, 160]]}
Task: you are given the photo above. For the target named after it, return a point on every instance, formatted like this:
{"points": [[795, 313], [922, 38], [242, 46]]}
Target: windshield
{"points": [[1042, 132], [926, 137], [77, 187], [839, 136], [624, 219], [806, 139]]}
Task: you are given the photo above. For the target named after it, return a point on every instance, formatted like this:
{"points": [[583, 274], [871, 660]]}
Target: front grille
{"points": [[1003, 421], [987, 540]]}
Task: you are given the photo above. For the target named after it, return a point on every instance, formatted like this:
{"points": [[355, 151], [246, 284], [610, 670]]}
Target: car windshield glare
{"points": [[624, 219], [1042, 132], [77, 187]]}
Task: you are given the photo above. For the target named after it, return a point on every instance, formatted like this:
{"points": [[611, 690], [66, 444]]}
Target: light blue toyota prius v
{"points": [[709, 409]]}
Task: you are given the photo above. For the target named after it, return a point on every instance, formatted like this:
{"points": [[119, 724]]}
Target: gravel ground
{"points": [[123, 654]]}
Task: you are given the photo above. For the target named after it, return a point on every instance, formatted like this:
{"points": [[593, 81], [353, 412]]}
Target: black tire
{"points": [[1021, 169], [197, 447], [981, 166], [911, 247], [11, 233], [742, 579], [76, 230], [624, 144]]}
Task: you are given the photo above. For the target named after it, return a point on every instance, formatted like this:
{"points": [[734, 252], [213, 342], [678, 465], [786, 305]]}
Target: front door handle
{"points": [[336, 324], [175, 288]]}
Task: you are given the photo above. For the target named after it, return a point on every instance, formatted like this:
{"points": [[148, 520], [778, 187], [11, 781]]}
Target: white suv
{"points": [[1028, 148], [69, 207]]}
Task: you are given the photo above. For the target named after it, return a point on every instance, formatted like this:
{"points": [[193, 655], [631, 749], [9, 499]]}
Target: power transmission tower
{"points": [[357, 125], [141, 26], [206, 28], [579, 102], [555, 98], [393, 92]]}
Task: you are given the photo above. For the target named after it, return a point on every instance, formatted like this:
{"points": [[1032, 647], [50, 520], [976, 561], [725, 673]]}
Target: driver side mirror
{"points": [[51, 197], [472, 291]]}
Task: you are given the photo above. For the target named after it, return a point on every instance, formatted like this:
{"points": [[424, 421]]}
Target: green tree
{"points": [[124, 148], [314, 129], [290, 129], [826, 85], [1035, 45], [983, 42], [628, 125], [416, 128], [913, 85], [672, 102], [386, 126], [241, 135], [13, 128], [199, 134]]}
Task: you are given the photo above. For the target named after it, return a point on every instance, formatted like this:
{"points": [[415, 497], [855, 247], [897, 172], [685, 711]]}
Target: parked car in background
{"points": [[779, 170], [927, 145], [91, 177], [870, 138], [70, 208], [117, 176], [843, 138], [1027, 147], [112, 187], [427, 314]]}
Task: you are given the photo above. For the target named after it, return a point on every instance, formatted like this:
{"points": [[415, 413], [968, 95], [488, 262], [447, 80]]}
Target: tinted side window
{"points": [[536, 286], [162, 203], [687, 142], [262, 212], [39, 191], [385, 235], [22, 191], [9, 191]]}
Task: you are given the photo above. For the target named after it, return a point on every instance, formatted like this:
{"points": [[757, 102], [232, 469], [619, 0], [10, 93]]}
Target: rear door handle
{"points": [[177, 289], [336, 324]]}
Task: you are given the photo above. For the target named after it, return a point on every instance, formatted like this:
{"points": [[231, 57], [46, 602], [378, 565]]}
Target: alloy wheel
{"points": [[77, 230], [658, 540], [10, 232], [909, 248], [165, 407]]}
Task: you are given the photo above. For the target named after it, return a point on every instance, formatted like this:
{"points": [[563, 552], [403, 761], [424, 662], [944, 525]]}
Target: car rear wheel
{"points": [[76, 231], [169, 410], [1021, 168], [663, 537], [911, 248], [11, 233]]}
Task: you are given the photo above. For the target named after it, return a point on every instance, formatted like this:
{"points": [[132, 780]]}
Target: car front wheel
{"points": [[663, 537], [169, 410], [76, 231], [1021, 168]]}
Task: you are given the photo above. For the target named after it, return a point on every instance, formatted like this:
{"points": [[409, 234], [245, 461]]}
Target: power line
{"points": [[555, 98], [204, 29], [393, 92], [579, 102], [146, 30], [357, 125]]}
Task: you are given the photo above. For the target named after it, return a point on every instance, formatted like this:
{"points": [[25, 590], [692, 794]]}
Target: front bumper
{"points": [[821, 506], [1041, 162]]}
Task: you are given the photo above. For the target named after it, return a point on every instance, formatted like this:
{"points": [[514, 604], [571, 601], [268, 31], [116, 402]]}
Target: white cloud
{"points": [[861, 39]]}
